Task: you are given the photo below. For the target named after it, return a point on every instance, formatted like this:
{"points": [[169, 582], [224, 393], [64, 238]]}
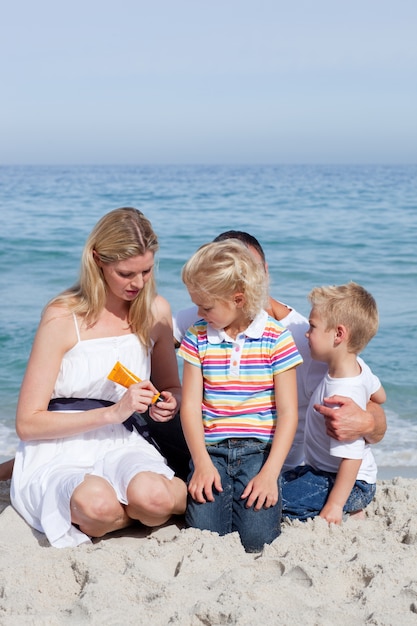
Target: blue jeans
{"points": [[305, 491], [237, 461]]}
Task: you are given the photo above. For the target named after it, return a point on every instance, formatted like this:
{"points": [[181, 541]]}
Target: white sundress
{"points": [[46, 472]]}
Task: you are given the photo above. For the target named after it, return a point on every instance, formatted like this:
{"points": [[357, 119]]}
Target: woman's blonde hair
{"points": [[221, 269], [350, 305], [119, 235]]}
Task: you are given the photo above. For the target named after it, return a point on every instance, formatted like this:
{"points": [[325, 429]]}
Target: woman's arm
{"points": [[205, 475], [54, 337], [164, 366], [262, 490]]}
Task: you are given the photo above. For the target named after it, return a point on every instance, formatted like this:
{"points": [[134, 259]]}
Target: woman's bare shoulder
{"points": [[57, 321], [162, 326], [56, 312], [57, 330], [161, 308]]}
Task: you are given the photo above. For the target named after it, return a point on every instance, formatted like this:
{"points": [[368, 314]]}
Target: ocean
{"points": [[318, 225]]}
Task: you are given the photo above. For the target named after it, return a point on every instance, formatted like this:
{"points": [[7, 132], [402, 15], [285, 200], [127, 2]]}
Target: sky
{"points": [[208, 82]]}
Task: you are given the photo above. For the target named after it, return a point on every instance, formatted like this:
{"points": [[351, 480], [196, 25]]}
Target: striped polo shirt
{"points": [[238, 376]]}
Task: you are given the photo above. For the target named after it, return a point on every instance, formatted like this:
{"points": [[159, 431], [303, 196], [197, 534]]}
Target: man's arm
{"points": [[349, 421], [6, 469]]}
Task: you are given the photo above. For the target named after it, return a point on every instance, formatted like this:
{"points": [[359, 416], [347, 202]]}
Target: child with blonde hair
{"points": [[239, 407], [338, 477]]}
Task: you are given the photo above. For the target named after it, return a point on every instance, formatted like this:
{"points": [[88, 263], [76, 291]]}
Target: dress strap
{"points": [[77, 330]]}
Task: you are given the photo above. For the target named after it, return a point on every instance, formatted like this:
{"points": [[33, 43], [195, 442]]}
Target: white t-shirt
{"points": [[309, 373], [325, 453]]}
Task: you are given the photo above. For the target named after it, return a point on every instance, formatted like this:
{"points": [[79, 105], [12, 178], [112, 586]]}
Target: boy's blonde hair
{"points": [[221, 269], [350, 305]]}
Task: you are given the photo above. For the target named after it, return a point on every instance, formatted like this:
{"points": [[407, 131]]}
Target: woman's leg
{"points": [[154, 498], [96, 509]]}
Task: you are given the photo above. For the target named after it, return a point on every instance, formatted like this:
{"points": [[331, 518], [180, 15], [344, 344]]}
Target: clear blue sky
{"points": [[208, 81]]}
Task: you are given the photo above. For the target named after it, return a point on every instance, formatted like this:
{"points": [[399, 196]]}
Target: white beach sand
{"points": [[358, 573]]}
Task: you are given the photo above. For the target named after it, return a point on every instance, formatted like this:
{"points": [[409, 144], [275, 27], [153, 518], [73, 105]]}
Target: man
{"points": [[347, 422]]}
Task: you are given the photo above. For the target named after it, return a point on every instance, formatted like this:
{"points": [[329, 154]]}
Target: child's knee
{"points": [[259, 528]]}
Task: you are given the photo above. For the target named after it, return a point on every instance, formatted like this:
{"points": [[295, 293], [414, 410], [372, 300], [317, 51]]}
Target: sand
{"points": [[363, 572]]}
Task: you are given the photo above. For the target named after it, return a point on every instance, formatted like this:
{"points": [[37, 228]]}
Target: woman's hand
{"points": [[165, 409], [137, 398]]}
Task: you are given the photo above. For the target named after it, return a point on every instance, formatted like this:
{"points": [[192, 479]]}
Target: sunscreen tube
{"points": [[121, 375]]}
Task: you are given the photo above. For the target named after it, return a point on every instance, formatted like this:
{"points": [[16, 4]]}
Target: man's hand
{"points": [[348, 421]]}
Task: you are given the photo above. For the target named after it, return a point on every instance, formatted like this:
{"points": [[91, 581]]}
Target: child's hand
{"points": [[261, 491], [202, 481], [332, 513]]}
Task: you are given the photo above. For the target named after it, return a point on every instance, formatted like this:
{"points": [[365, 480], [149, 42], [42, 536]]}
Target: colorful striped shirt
{"points": [[238, 376]]}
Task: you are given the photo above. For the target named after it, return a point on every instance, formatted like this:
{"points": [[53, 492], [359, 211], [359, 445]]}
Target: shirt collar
{"points": [[254, 330]]}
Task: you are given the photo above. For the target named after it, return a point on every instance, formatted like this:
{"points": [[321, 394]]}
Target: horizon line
{"points": [[219, 164]]}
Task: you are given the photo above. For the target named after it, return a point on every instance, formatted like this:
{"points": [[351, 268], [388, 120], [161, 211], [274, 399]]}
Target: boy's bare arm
{"points": [[332, 511]]}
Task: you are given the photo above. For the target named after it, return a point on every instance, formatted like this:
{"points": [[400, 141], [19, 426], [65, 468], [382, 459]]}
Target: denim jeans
{"points": [[305, 491], [237, 461]]}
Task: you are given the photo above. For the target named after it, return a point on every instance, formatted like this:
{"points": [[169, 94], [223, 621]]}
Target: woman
{"points": [[81, 474]]}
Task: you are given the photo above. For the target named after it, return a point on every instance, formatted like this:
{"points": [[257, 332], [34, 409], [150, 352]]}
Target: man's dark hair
{"points": [[246, 238]]}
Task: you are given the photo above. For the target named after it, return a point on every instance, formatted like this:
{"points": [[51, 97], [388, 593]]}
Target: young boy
{"points": [[337, 477]]}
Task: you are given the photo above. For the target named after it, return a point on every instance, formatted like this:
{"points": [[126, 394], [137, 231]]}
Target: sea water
{"points": [[318, 225]]}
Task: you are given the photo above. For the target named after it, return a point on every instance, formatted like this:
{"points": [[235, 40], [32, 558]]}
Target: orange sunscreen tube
{"points": [[121, 375]]}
